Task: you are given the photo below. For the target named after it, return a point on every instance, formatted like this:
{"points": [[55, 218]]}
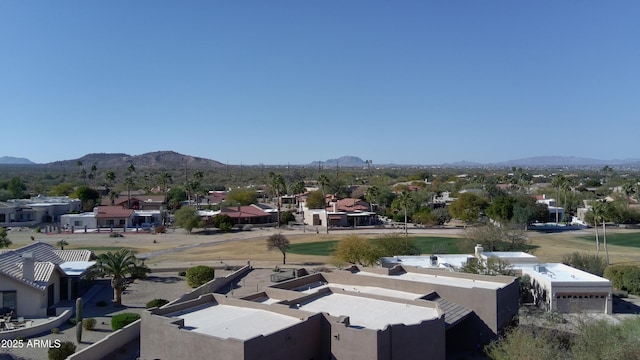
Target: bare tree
{"points": [[280, 242]]}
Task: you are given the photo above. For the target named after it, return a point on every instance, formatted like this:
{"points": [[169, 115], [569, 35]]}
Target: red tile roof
{"points": [[111, 212], [243, 212]]}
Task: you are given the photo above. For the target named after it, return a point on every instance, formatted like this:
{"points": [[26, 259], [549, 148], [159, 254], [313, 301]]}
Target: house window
{"points": [[3, 218], [122, 222], [77, 223], [7, 301]]}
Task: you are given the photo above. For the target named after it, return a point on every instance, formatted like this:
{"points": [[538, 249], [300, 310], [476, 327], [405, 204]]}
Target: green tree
{"points": [[16, 188], [591, 263], [222, 221], [496, 238], [492, 266], [88, 196], [175, 196], [392, 245], [128, 181], [199, 275], [501, 209], [118, 265], [62, 189], [4, 240], [404, 201], [355, 249], [241, 196], [315, 200], [187, 218], [559, 182], [280, 242], [467, 207]]}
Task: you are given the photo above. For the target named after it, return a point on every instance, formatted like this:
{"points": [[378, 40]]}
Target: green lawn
{"points": [[440, 245], [426, 244], [321, 248], [620, 239]]}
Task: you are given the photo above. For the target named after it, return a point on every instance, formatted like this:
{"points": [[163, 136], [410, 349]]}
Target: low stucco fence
{"points": [[109, 344], [39, 328], [213, 285]]}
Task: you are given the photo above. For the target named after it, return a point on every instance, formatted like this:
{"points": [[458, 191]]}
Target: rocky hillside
{"points": [[153, 160]]}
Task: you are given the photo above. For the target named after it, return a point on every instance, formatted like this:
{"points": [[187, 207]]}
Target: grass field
{"points": [[615, 238], [426, 245]]}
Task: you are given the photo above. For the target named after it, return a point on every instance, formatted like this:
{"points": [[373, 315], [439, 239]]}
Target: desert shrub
{"points": [[115, 235], [60, 353], [121, 320], [624, 277], [156, 303], [225, 227], [38, 229], [101, 303], [73, 321], [88, 323], [286, 217], [160, 229], [55, 330], [220, 219], [140, 271], [590, 263], [182, 273], [199, 275]]}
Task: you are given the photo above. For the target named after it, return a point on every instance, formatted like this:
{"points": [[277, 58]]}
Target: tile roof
{"points": [[243, 212], [352, 204], [109, 212], [46, 260], [73, 255]]}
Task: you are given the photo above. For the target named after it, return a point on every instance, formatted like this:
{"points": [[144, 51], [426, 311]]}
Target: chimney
{"points": [[28, 266], [479, 249]]}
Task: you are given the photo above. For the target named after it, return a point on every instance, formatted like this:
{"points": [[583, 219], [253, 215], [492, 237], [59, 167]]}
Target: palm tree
{"points": [[118, 266], [129, 182], [371, 195], [323, 180], [164, 179], [276, 182], [559, 182], [404, 201], [92, 174], [110, 177], [602, 212]]}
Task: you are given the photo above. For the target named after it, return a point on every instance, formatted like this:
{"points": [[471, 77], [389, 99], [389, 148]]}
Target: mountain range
{"points": [[174, 160]]}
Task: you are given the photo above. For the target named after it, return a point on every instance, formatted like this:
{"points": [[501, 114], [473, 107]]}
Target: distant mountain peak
{"points": [[344, 161], [14, 160]]}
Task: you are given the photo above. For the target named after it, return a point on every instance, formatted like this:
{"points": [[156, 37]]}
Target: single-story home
{"points": [[35, 277]]}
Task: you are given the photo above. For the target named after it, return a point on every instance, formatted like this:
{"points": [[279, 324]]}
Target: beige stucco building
{"points": [[359, 313]]}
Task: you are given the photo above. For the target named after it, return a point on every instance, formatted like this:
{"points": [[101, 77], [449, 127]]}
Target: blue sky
{"points": [[276, 82]]}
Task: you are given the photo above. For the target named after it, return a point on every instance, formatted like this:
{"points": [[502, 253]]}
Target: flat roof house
{"points": [[398, 313]]}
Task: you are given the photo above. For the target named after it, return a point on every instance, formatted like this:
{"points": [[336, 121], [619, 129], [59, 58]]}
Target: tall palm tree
{"points": [[128, 181], [110, 177], [404, 201], [92, 174], [118, 266], [602, 212], [164, 179], [323, 180], [276, 182], [559, 182]]}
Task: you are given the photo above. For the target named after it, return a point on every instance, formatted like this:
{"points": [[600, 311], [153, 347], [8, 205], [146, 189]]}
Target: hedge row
{"points": [[624, 277]]}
